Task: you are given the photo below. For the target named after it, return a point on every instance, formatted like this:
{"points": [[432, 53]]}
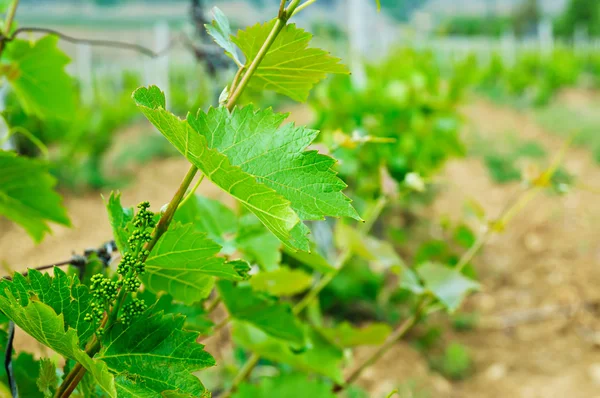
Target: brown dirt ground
{"points": [[549, 256]]}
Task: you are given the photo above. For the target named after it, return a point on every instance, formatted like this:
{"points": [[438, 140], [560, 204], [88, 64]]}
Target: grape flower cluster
{"points": [[105, 291]]}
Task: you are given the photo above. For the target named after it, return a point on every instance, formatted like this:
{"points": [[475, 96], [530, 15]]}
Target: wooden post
{"points": [[161, 41], [85, 74]]}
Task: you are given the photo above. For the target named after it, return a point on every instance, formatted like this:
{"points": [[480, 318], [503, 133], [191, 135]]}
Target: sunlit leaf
{"points": [[345, 335], [221, 32], [264, 312], [290, 67], [47, 381], [319, 356], [37, 75], [281, 282], [288, 386], [446, 284], [184, 264], [20, 177]]}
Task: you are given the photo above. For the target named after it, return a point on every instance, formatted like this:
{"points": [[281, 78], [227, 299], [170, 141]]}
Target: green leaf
{"points": [[446, 284], [19, 178], [221, 33], [154, 357], [345, 335], [290, 67], [26, 371], [196, 318], [271, 208], [47, 381], [246, 234], [281, 282], [288, 386], [261, 164], [119, 217], [320, 356], [210, 216], [367, 247], [257, 243], [63, 294], [378, 2], [273, 152], [37, 75], [266, 313], [41, 322], [184, 264], [312, 259]]}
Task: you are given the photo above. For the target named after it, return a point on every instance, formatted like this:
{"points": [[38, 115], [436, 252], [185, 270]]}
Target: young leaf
{"points": [[184, 264], [261, 164], [19, 178], [47, 381], [37, 75], [119, 217], [288, 386], [281, 282], [221, 33], [290, 67], [154, 357], [40, 321], [448, 285], [273, 317], [320, 356], [345, 335]]}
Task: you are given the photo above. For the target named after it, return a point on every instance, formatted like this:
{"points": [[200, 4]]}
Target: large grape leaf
{"points": [[290, 67], [319, 356], [39, 320], [155, 357], [282, 282], [266, 313], [62, 293], [261, 164], [37, 75], [27, 196], [184, 264], [274, 153], [288, 386]]}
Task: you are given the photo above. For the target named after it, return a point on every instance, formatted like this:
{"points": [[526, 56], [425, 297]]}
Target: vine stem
{"points": [[10, 17], [393, 338], [314, 292]]}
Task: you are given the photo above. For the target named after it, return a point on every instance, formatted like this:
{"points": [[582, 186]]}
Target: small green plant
{"points": [[455, 363]]}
